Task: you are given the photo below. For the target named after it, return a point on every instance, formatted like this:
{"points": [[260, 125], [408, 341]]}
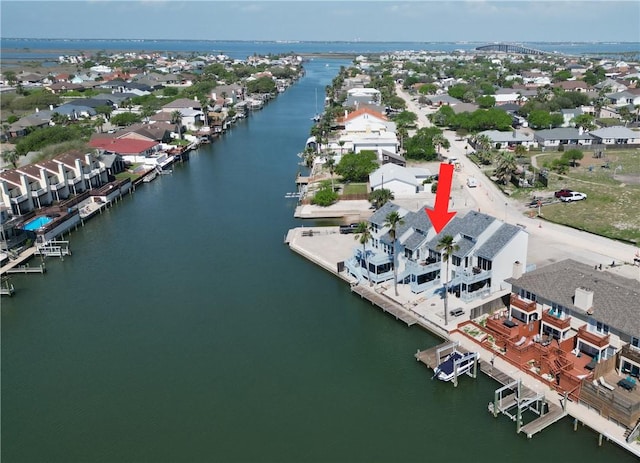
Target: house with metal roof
{"points": [[489, 251], [616, 135]]}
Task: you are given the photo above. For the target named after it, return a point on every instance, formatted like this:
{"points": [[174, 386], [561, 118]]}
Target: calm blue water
{"points": [[37, 223], [38, 48], [182, 329]]}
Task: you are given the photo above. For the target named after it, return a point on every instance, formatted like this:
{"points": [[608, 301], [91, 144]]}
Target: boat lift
{"points": [[452, 362]]}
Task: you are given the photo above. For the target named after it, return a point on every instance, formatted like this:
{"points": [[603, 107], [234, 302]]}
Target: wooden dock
{"points": [[28, 269], [387, 305], [554, 414]]}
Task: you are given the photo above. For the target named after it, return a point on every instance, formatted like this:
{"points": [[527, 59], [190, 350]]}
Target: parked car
{"points": [[563, 193], [472, 182], [351, 228], [456, 312], [574, 196]]}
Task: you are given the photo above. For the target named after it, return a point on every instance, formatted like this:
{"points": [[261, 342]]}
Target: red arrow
{"points": [[440, 215]]}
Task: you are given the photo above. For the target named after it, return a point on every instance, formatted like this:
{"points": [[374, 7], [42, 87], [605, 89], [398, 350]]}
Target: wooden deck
{"points": [[386, 304], [554, 414]]}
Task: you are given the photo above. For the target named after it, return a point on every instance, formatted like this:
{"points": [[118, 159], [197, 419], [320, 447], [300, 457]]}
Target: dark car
{"points": [[563, 193], [351, 228]]}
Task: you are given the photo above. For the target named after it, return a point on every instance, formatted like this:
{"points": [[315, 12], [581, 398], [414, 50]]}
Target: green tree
{"points": [[573, 156], [585, 121], [357, 167], [448, 247], [125, 119], [440, 141], [393, 221], [486, 101], [380, 197], [421, 145], [562, 75], [539, 119], [506, 167], [10, 77], [363, 235], [176, 118], [11, 157], [325, 196]]}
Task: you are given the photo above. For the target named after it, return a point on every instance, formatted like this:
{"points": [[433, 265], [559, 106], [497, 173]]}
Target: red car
{"points": [[563, 193]]}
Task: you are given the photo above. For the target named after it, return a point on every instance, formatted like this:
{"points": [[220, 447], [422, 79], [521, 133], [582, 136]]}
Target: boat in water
{"points": [[455, 364]]}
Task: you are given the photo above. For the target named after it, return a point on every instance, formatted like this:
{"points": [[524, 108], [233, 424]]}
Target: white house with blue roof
{"points": [[490, 251]]}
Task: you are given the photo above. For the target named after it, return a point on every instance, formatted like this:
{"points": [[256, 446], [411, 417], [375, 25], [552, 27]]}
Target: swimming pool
{"points": [[37, 223]]}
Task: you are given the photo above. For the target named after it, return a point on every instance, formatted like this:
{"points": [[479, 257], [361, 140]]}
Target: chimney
{"points": [[50, 107], [580, 130], [37, 110], [583, 299], [517, 269]]}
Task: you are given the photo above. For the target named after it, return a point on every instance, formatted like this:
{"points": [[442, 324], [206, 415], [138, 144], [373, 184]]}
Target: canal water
{"points": [[182, 329]]}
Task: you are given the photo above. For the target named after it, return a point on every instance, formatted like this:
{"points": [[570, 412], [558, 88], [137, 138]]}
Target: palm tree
{"points": [[506, 167], [363, 234], [448, 247], [176, 118], [331, 165], [392, 220], [11, 157], [439, 141], [379, 197], [483, 146], [205, 110]]}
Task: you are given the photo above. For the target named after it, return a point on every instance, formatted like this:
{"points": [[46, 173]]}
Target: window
{"points": [[602, 328], [455, 260], [484, 264], [635, 342]]}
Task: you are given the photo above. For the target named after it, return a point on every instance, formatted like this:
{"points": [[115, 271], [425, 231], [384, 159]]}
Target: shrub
{"points": [[434, 187], [325, 197]]}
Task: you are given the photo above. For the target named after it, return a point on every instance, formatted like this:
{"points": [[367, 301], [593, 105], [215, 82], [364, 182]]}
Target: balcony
{"points": [[413, 267], [475, 275], [596, 339], [631, 353], [58, 186], [524, 306], [19, 199], [559, 322], [37, 193]]}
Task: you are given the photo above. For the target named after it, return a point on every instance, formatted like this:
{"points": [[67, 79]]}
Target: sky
{"points": [[301, 20]]}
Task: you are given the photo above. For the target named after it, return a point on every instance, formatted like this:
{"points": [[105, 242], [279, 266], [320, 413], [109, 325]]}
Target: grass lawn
{"points": [[612, 205], [355, 189]]}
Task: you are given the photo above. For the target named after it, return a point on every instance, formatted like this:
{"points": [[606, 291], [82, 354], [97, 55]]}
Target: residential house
{"points": [[562, 136], [511, 139], [401, 181], [580, 328], [83, 171], [489, 251], [190, 110], [616, 135], [131, 150], [62, 87], [625, 98]]}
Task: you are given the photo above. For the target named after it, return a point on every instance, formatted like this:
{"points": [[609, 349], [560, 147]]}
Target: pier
{"points": [[386, 304], [28, 269]]}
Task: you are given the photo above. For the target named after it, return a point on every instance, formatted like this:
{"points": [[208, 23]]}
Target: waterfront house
{"points": [[489, 251], [577, 328], [15, 191], [190, 110], [131, 150], [83, 171]]}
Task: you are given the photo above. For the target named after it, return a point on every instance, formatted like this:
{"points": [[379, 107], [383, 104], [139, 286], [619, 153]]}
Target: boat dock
{"points": [[28, 269], [387, 305]]}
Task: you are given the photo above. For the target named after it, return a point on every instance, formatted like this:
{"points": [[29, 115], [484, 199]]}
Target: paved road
{"points": [[548, 242]]}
